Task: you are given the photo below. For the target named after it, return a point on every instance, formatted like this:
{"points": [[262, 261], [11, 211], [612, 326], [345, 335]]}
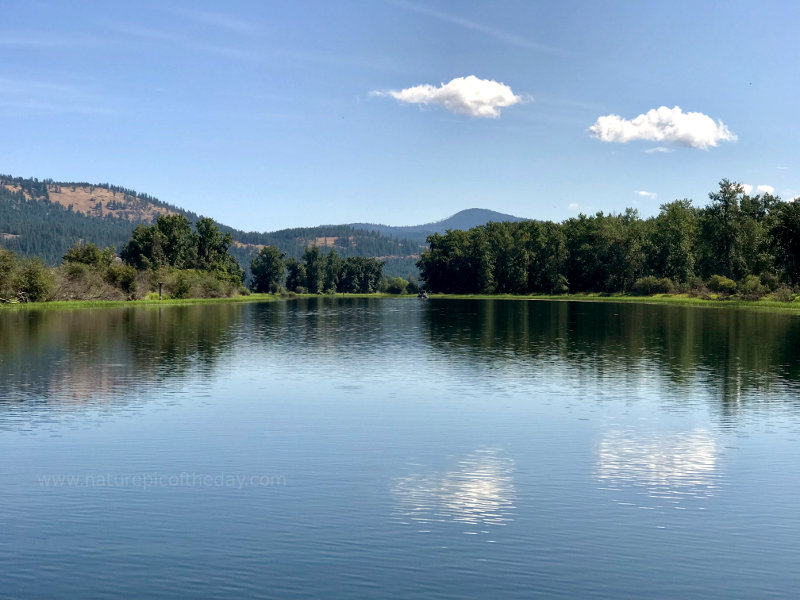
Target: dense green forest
{"points": [[31, 224], [39, 227], [737, 243], [319, 272]]}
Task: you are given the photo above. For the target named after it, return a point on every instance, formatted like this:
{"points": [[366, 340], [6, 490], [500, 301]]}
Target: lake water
{"points": [[377, 448]]}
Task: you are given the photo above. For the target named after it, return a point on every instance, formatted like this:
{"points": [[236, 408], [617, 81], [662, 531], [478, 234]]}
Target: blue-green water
{"points": [[397, 448]]}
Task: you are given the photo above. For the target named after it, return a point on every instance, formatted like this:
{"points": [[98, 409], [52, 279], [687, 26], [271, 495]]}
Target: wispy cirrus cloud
{"points": [[672, 125], [38, 41], [470, 96], [659, 150], [506, 37], [215, 19], [26, 97], [646, 194], [180, 41]]}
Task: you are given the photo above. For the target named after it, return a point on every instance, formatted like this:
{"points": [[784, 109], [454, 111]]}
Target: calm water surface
{"points": [[395, 448]]}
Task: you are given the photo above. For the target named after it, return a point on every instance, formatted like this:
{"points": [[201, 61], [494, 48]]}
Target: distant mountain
{"points": [[44, 218], [465, 219]]}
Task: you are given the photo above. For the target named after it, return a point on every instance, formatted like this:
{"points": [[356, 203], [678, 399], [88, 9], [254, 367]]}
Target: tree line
{"points": [[736, 242], [184, 261], [317, 272]]}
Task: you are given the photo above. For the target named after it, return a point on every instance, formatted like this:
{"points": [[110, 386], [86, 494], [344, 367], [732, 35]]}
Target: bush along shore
{"points": [[171, 260]]}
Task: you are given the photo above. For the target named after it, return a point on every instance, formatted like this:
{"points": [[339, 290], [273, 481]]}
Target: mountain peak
{"points": [[463, 219]]}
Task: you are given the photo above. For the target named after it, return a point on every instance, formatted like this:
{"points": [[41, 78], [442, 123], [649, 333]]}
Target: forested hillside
{"points": [[45, 218]]}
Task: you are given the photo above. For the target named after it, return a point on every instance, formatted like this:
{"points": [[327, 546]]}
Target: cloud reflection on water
{"points": [[479, 491], [666, 465]]}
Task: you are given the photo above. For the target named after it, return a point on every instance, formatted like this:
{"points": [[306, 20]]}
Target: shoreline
{"points": [[659, 299], [84, 304]]}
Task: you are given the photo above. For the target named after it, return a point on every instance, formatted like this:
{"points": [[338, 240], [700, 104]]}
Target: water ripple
{"points": [[478, 491]]}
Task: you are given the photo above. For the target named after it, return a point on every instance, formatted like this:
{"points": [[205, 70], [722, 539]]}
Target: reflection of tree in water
{"points": [[736, 354], [325, 328], [92, 356]]}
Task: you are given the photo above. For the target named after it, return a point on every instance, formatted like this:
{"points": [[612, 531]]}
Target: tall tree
{"points": [[673, 239], [785, 234], [314, 262], [720, 224], [295, 275], [268, 270]]}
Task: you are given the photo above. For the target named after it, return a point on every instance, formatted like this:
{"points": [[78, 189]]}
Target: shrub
{"points": [[751, 288], [122, 276], [34, 281], [75, 270], [85, 253], [722, 285], [783, 294], [398, 285], [695, 283], [8, 267], [770, 281], [181, 286], [561, 285], [647, 286], [210, 287], [701, 292]]}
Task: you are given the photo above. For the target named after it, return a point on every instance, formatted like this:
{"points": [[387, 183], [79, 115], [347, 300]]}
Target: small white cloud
{"points": [[659, 149], [651, 195], [747, 188], [574, 206], [782, 168], [691, 129], [463, 95]]}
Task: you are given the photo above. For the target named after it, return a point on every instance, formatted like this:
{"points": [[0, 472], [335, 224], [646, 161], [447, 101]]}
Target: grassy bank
{"points": [[79, 304], [669, 299]]}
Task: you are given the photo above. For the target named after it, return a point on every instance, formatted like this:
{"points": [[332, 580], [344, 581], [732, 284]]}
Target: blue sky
{"points": [[267, 115]]}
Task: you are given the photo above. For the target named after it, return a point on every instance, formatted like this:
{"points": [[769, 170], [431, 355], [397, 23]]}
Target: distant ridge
{"points": [[45, 217], [465, 219]]}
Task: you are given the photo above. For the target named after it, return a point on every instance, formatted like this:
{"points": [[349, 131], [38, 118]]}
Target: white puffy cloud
{"points": [[463, 95], [651, 195], [760, 189], [692, 129]]}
